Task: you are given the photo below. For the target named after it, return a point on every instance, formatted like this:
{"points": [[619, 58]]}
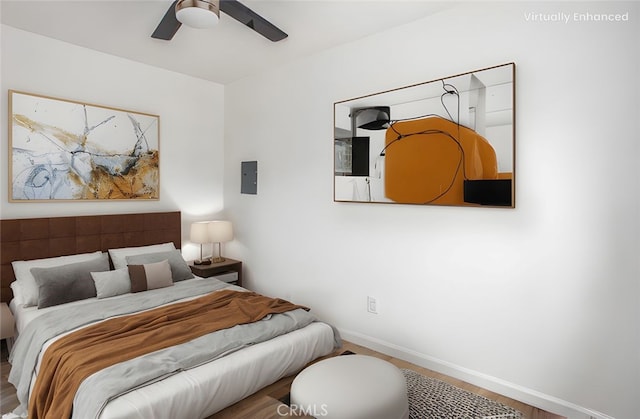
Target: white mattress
{"points": [[201, 391]]}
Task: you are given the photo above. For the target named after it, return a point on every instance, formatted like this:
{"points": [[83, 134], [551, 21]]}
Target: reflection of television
{"points": [[488, 192], [352, 156]]}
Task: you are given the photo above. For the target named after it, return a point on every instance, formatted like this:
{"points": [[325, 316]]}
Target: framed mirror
{"points": [[448, 141]]}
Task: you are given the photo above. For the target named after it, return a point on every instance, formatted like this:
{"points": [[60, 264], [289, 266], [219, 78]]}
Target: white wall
{"points": [[540, 302], [191, 123]]}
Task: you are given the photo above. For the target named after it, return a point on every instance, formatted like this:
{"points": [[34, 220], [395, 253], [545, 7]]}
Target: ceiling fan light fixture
{"points": [[198, 13]]}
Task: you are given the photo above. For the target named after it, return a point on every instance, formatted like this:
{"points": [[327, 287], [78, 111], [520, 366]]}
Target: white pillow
{"points": [[28, 285], [119, 256], [18, 296], [112, 283]]}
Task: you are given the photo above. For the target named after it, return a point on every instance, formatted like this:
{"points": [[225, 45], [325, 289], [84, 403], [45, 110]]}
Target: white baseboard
{"points": [[497, 385]]}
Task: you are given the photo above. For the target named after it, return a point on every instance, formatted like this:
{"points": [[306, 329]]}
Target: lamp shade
{"points": [[198, 13], [220, 231], [200, 232]]}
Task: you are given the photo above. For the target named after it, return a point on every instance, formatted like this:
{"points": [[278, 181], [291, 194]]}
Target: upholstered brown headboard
{"points": [[36, 238]]}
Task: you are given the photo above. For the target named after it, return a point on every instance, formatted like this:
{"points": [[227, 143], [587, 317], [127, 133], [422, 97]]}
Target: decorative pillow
{"points": [[150, 276], [179, 268], [111, 283], [66, 283], [22, 270], [118, 256]]}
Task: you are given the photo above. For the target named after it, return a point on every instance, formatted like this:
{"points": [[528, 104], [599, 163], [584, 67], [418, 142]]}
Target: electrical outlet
{"points": [[372, 305]]}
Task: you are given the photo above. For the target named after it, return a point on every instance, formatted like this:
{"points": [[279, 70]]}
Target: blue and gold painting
{"points": [[67, 150]]}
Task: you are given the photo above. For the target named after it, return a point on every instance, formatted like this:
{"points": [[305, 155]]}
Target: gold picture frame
{"points": [[65, 150]]}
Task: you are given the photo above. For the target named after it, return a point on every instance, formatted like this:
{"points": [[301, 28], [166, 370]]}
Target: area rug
{"points": [[430, 398]]}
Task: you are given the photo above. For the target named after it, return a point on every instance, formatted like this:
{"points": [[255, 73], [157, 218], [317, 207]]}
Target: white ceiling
{"points": [[223, 54]]}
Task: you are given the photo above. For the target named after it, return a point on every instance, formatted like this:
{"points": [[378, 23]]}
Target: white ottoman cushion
{"points": [[351, 387]]}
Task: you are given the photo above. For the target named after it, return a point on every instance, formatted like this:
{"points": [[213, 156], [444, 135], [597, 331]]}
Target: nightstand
{"points": [[7, 325], [229, 265]]}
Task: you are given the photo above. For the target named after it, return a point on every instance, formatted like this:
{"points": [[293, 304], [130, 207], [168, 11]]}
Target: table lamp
{"points": [[200, 235], [220, 231]]}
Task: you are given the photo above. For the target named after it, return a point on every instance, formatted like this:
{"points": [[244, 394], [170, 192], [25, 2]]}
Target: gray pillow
{"points": [[66, 283], [179, 268]]}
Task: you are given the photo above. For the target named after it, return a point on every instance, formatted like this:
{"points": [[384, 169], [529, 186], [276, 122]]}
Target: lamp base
{"points": [[218, 259], [202, 262]]}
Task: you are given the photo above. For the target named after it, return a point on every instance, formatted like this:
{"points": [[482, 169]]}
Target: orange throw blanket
{"points": [[76, 356]]}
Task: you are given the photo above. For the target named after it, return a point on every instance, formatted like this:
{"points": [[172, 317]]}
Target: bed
{"points": [[187, 371]]}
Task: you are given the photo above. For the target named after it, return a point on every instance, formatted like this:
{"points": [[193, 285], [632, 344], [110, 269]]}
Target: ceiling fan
{"points": [[206, 13]]}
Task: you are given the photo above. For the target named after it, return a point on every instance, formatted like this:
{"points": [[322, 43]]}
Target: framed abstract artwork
{"points": [[447, 141], [62, 150]]}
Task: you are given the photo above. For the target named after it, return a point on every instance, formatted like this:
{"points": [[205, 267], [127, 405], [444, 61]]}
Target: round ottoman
{"points": [[351, 387]]}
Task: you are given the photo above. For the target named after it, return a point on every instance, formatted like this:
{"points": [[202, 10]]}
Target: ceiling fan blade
{"points": [[248, 17], [169, 25]]}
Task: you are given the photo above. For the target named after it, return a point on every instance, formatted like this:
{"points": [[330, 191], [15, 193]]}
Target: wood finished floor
{"points": [[264, 404]]}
